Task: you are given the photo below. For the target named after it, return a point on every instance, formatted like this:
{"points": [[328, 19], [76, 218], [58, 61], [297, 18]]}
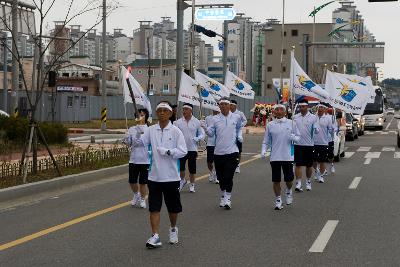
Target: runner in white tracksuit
{"points": [[212, 178], [243, 119], [279, 137]]}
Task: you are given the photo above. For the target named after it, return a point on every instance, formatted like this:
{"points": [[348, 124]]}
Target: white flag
{"points": [[238, 87], [366, 82], [188, 94], [216, 89], [140, 97], [302, 84], [346, 95]]}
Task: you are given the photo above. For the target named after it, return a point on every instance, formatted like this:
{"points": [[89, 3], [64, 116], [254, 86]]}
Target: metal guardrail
{"points": [[76, 159]]}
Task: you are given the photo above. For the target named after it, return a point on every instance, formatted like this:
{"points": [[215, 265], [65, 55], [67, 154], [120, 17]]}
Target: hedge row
{"points": [[16, 129]]}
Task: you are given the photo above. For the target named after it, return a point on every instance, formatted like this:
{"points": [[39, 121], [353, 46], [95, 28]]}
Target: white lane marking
{"points": [[323, 238], [364, 149], [373, 155], [384, 133], [387, 127], [355, 183], [368, 132], [349, 155], [393, 132], [379, 132], [367, 161], [388, 148], [397, 155]]}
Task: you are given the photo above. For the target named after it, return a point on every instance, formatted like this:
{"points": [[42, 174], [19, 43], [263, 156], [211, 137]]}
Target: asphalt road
{"points": [[350, 227]]}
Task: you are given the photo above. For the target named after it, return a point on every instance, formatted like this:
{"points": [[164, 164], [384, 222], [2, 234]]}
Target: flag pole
{"points": [[126, 117], [136, 115], [199, 91], [293, 95]]}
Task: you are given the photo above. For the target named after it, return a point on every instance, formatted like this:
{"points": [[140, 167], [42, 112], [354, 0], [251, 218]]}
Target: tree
{"points": [[41, 70]]}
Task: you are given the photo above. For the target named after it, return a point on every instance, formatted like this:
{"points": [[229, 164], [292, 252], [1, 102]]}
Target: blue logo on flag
{"points": [[204, 92], [239, 85]]}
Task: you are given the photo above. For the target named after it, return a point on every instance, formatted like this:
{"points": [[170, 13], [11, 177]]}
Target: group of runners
{"points": [[161, 154]]}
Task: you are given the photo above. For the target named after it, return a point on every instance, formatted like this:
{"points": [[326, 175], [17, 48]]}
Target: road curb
{"points": [[25, 190]]}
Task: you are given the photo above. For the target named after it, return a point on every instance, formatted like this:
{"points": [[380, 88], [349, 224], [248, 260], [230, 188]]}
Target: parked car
{"points": [[390, 111], [351, 127], [3, 113], [398, 130], [360, 124]]}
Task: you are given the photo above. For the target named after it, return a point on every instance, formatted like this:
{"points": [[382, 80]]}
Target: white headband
{"points": [[224, 101], [187, 106], [303, 104], [232, 103], [164, 105], [322, 105], [279, 106]]}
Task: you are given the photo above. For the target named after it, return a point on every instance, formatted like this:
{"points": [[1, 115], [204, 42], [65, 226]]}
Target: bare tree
{"points": [[41, 69]]}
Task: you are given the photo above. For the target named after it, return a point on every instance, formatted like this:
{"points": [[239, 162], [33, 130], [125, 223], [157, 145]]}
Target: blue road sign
{"points": [[215, 14]]}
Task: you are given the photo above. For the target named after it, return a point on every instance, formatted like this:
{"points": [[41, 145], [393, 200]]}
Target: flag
{"points": [[337, 30], [346, 95], [283, 94], [238, 87], [316, 10], [216, 89], [188, 93], [140, 97], [366, 82], [301, 84]]}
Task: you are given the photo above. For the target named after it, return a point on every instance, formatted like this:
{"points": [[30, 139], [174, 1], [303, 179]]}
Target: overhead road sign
{"points": [[215, 14]]}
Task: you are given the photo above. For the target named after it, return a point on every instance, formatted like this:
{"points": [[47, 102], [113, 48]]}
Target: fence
{"points": [[75, 159]]}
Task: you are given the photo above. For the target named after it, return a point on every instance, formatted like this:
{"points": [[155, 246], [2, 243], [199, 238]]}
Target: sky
{"points": [[382, 19]]}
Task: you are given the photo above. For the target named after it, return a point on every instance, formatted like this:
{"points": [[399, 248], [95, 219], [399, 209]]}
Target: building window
{"points": [[283, 69], [165, 72], [85, 74], [269, 69], [151, 72], [295, 32], [70, 101], [65, 74], [269, 86], [152, 86], [284, 33], [284, 51], [139, 72], [269, 51], [165, 88], [83, 101]]}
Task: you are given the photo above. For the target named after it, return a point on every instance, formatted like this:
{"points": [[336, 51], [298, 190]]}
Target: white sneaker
{"points": [[278, 204], [222, 202], [154, 242], [316, 174], [135, 200], [325, 173], [211, 177], [298, 186], [308, 185], [228, 204], [142, 203], [173, 235], [321, 179], [289, 197], [191, 188], [237, 169], [333, 168], [182, 185]]}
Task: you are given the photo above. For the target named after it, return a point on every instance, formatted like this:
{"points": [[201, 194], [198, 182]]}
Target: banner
{"points": [[366, 82], [346, 95], [216, 89], [302, 84], [283, 94], [188, 93], [238, 87], [140, 97]]}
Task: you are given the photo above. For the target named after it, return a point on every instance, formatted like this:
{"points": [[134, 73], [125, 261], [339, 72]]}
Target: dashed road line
{"points": [[387, 127], [354, 184], [367, 161], [349, 155], [397, 155], [389, 149], [323, 238], [364, 149]]}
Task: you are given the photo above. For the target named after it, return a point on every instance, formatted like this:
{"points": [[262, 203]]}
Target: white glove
{"points": [[264, 151], [162, 151], [240, 139], [196, 139], [203, 124]]}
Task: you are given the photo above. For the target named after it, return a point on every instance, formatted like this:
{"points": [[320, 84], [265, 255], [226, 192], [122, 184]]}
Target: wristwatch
{"points": [[168, 152]]}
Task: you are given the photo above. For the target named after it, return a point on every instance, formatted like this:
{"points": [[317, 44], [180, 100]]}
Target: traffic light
{"points": [[201, 29]]}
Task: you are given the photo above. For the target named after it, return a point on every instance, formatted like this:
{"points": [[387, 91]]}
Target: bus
{"points": [[374, 112]]}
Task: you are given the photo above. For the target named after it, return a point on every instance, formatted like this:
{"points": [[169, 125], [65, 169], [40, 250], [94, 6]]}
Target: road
{"points": [[94, 225]]}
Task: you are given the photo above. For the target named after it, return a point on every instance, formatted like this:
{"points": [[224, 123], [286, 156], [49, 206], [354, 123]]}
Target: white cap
{"points": [[279, 106]]}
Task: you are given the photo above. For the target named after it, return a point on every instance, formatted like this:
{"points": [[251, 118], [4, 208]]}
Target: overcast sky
{"points": [[382, 19]]}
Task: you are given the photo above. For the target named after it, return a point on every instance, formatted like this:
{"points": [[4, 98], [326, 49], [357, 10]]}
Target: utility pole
{"points": [[5, 85], [282, 45], [15, 66], [103, 75], [225, 51], [149, 66], [181, 6]]}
